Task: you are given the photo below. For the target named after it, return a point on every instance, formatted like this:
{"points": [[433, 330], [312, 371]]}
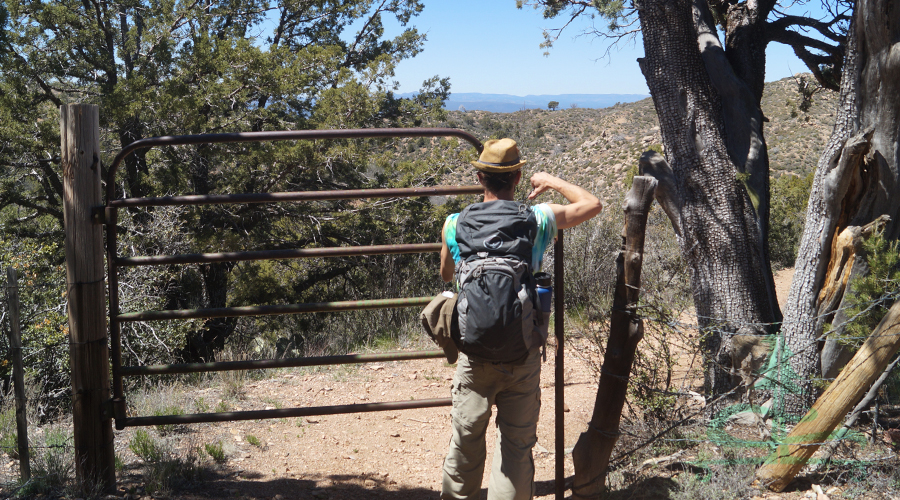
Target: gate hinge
{"points": [[101, 214]]}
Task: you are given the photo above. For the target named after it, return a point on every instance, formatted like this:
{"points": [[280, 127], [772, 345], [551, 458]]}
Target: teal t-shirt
{"points": [[546, 223]]}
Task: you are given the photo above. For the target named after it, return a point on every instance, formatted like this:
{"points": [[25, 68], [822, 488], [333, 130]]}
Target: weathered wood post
{"points": [[595, 445], [15, 346], [88, 351]]}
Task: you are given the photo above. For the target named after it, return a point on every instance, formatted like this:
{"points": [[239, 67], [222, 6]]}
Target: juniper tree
{"points": [[714, 179], [192, 67]]}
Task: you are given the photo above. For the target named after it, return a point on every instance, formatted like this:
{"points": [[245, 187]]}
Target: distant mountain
{"points": [[505, 103]]}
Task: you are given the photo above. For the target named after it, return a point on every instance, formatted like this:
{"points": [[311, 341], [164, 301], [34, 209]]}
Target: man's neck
{"points": [[490, 196]]}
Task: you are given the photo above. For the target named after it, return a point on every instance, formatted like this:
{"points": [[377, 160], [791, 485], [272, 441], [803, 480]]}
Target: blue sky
{"points": [[489, 46]]}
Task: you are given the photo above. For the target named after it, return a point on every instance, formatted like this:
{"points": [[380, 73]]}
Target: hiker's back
{"points": [[497, 295]]}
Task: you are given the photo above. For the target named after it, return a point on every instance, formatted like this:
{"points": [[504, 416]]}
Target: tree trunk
{"points": [[714, 180], [203, 345], [856, 182]]}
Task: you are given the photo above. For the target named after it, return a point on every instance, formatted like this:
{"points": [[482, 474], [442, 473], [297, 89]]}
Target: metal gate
{"points": [[109, 212]]}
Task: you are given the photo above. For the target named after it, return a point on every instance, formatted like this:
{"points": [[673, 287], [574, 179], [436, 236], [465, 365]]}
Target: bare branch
{"points": [[826, 29], [794, 38]]}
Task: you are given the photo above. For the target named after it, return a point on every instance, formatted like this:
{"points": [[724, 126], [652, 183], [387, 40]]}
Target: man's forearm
{"points": [[582, 204], [571, 192]]}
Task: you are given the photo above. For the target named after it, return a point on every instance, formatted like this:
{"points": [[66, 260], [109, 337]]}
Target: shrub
{"points": [[590, 273], [215, 451], [9, 443], [52, 465], [872, 294], [721, 483], [787, 216], [145, 447], [164, 429], [163, 468]]}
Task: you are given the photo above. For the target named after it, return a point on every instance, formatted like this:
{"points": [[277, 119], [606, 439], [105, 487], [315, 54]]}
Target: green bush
{"points": [[52, 465], [872, 294], [165, 429], [215, 451], [163, 468], [145, 447], [787, 216], [8, 433]]}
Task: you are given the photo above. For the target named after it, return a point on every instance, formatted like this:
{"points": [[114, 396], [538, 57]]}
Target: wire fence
{"points": [[50, 448], [751, 416], [744, 424]]}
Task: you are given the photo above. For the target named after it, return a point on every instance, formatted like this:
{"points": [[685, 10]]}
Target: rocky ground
{"points": [[395, 455]]}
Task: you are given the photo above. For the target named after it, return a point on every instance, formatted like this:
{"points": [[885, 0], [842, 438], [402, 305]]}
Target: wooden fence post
{"points": [[15, 346], [593, 448], [85, 285]]}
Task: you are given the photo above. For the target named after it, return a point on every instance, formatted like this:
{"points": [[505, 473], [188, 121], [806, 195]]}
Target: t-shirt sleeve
{"points": [[450, 236], [546, 233]]}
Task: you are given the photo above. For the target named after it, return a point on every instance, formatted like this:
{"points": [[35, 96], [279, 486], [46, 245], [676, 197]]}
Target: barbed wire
{"points": [[770, 374], [707, 325]]}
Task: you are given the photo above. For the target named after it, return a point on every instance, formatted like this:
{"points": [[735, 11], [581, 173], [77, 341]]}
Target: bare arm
{"points": [[447, 265], [582, 204]]}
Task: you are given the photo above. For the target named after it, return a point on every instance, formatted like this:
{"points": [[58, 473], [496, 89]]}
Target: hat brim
{"points": [[494, 169]]}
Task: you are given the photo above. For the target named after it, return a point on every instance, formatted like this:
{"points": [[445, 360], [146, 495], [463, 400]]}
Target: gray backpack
{"points": [[497, 310]]}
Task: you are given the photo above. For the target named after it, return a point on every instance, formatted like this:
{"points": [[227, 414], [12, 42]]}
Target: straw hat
{"points": [[499, 155]]}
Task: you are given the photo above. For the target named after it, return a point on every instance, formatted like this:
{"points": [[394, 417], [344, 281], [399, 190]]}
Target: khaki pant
{"points": [[516, 391]]}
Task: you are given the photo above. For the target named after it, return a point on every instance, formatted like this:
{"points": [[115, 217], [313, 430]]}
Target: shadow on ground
{"points": [[341, 487], [345, 487], [651, 488]]}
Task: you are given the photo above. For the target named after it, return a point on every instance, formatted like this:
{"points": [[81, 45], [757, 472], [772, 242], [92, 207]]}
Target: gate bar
{"points": [[280, 135], [197, 418], [221, 366], [295, 253], [559, 330], [346, 194], [311, 307], [108, 214]]}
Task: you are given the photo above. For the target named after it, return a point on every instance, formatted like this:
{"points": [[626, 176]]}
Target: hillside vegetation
{"points": [[597, 148]]}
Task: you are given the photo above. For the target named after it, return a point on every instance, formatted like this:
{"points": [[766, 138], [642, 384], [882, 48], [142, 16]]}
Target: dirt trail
{"points": [[393, 454], [384, 455]]}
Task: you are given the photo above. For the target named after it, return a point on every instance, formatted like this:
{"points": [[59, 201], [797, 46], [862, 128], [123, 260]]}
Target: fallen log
{"points": [[828, 451], [849, 387]]}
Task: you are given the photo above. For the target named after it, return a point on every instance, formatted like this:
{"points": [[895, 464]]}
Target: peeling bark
{"points": [[856, 182], [848, 259], [654, 165]]}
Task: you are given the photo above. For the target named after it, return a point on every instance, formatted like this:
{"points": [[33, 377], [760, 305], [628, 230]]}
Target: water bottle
{"points": [[545, 295]]}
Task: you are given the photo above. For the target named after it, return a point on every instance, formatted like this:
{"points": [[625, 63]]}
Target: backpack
{"points": [[497, 303]]}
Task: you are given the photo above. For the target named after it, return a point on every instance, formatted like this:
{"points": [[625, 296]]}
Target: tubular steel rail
{"points": [[108, 215]]}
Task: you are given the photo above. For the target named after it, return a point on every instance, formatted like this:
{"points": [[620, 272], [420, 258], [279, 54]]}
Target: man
{"points": [[514, 387]]}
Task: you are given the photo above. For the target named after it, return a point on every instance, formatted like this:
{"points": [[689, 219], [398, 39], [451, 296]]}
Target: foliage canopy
{"points": [[160, 67]]}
